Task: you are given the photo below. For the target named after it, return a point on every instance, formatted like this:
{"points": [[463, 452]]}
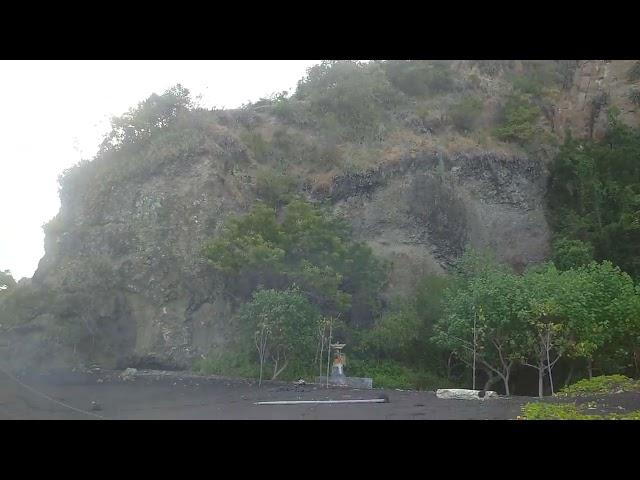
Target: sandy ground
{"points": [[193, 398], [183, 396]]}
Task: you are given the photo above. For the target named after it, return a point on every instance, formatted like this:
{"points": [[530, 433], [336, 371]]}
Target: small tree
{"points": [[482, 323], [545, 336], [283, 323], [261, 338]]}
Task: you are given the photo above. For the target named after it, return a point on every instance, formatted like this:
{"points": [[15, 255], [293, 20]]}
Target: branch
{"points": [[532, 366], [491, 368]]}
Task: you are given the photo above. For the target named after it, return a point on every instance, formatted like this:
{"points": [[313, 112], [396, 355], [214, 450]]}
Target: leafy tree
{"points": [[305, 245], [594, 195], [589, 313], [283, 323], [152, 114], [546, 329], [403, 334], [482, 321], [568, 254]]}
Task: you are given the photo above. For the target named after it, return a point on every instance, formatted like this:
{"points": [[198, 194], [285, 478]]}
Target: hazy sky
{"points": [[54, 113]]}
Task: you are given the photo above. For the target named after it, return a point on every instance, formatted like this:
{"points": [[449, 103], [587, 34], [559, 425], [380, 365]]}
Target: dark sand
{"points": [[193, 398], [183, 396]]}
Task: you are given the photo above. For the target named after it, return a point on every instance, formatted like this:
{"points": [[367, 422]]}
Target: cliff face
{"points": [[123, 265], [130, 272], [597, 85]]}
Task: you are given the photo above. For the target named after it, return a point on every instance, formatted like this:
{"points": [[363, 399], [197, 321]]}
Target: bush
{"points": [[274, 187], [287, 322], [493, 67], [22, 303], [569, 411], [419, 78], [257, 144], [519, 120], [390, 374], [605, 384], [569, 254], [527, 85], [465, 114], [356, 95], [154, 113], [228, 365], [549, 411]]}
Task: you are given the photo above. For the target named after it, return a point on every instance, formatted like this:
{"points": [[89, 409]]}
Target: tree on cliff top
{"points": [[152, 114], [6, 281]]}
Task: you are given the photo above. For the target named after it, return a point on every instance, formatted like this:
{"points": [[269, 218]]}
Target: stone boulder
{"points": [[463, 394]]}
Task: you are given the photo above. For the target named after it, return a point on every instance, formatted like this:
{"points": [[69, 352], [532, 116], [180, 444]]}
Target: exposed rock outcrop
{"points": [[129, 287]]}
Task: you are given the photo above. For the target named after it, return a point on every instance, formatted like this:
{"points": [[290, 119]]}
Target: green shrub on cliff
{"points": [[519, 120], [465, 114], [305, 245], [356, 95], [154, 113], [594, 195]]}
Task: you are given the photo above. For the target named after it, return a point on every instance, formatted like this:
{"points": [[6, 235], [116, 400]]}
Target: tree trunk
{"points": [[550, 371], [449, 366], [505, 379], [490, 381], [278, 372], [540, 379], [570, 375], [590, 368]]}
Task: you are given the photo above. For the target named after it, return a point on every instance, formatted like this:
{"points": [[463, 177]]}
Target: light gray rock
{"points": [[129, 374], [463, 394]]}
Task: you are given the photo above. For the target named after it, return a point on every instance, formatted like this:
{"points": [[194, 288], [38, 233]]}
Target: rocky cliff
{"points": [[123, 275]]}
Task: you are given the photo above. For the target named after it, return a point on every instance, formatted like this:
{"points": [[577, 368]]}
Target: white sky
{"points": [[54, 113]]}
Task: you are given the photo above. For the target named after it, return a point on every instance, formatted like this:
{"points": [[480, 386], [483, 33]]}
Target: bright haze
{"points": [[55, 113]]}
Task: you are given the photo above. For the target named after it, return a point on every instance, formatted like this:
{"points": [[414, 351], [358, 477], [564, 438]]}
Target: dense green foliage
{"points": [[600, 385], [594, 195], [274, 187], [550, 411], [568, 254], [287, 322], [519, 122], [570, 411], [403, 333], [304, 245], [590, 313], [151, 115], [392, 374]]}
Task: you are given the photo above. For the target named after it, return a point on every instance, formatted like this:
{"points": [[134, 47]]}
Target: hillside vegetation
{"points": [[294, 272]]}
